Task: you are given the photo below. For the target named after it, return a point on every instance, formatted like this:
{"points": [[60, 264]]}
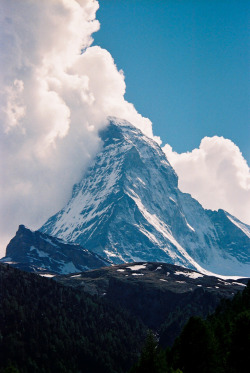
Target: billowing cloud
{"points": [[216, 175], [56, 93]]}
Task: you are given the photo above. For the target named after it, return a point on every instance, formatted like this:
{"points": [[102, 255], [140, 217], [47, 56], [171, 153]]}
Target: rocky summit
{"points": [[38, 252], [128, 208]]}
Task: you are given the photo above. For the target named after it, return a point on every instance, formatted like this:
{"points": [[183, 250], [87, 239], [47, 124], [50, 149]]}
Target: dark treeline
{"points": [[47, 327], [220, 344]]}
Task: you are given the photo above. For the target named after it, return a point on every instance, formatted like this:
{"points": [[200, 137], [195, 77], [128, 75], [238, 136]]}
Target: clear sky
{"points": [[186, 66]]}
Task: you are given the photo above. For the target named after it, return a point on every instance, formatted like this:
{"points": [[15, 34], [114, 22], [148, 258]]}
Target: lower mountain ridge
{"points": [[128, 208], [162, 296], [47, 326], [34, 251]]}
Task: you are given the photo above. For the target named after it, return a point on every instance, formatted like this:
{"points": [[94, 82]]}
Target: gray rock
{"points": [[128, 208]]}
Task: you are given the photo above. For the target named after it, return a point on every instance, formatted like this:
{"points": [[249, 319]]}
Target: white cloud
{"points": [[216, 175], [56, 92]]}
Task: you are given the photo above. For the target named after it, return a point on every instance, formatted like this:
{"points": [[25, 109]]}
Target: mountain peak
{"points": [[35, 251], [128, 208]]}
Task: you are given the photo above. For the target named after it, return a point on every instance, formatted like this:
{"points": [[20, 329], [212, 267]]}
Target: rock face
{"points": [[162, 295], [128, 208], [41, 253]]}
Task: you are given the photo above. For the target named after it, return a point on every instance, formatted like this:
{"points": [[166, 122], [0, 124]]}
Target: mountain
{"points": [[128, 208], [34, 251], [162, 296]]}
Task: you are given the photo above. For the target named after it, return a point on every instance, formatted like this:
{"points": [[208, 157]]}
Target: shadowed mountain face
{"points": [[162, 295], [128, 208], [38, 252]]}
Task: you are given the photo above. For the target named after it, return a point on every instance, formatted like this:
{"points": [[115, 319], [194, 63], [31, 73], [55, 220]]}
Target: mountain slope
{"points": [[128, 207], [162, 295], [34, 251], [47, 327]]}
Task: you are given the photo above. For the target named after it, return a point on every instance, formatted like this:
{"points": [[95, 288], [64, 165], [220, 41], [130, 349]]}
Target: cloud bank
{"points": [[56, 92], [216, 175]]}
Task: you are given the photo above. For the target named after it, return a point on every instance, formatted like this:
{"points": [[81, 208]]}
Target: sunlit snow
{"points": [[137, 267], [193, 275], [239, 225]]}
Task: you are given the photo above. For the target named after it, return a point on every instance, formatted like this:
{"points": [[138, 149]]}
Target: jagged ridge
{"points": [[34, 251], [128, 208]]}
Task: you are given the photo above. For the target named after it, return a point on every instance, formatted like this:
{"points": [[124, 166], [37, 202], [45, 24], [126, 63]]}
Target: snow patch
{"points": [[239, 283], [189, 226], [9, 262], [193, 275], [137, 267], [68, 268], [141, 181], [50, 241], [109, 253], [40, 253], [173, 200]]}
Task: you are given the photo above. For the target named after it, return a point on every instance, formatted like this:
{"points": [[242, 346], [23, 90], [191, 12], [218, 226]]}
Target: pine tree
{"points": [[195, 350], [152, 359]]}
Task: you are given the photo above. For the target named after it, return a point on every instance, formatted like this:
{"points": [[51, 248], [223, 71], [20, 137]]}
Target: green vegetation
{"points": [[152, 358], [47, 327], [220, 344]]}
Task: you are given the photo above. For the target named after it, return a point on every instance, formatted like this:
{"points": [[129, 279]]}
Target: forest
{"points": [[48, 327], [219, 344]]}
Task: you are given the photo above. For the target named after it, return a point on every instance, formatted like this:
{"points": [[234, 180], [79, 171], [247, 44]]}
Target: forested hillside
{"points": [[220, 344], [47, 327]]}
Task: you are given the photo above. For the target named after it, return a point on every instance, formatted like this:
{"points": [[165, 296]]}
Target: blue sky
{"points": [[186, 69], [186, 66]]}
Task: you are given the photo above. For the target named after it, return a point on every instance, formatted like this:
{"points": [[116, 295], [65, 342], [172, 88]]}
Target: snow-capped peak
{"points": [[128, 208]]}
